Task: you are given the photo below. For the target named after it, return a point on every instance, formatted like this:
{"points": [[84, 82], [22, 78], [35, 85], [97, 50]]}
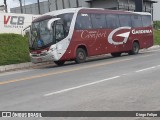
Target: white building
{"points": [[156, 10]]}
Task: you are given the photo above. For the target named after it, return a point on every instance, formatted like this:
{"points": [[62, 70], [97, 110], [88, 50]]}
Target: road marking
{"points": [[80, 86], [66, 71], [63, 71], [92, 83], [124, 74], [145, 69]]}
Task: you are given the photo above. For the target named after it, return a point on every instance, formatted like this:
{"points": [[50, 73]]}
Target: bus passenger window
{"points": [[136, 21], [59, 32], [146, 20], [112, 21], [125, 20], [67, 19], [98, 21], [83, 21]]}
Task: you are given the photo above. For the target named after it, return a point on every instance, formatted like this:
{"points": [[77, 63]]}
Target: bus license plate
{"points": [[39, 59]]}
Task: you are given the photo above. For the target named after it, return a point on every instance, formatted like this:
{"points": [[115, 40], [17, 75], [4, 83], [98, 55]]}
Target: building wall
{"points": [[108, 4], [51, 6], [104, 4], [156, 9], [147, 7], [127, 5], [2, 8]]}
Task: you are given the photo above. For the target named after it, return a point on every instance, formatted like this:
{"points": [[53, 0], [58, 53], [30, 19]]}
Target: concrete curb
{"points": [[29, 64], [20, 66], [154, 47]]}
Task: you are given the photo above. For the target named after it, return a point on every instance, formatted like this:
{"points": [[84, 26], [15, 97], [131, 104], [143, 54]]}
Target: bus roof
{"points": [[101, 10], [91, 10]]}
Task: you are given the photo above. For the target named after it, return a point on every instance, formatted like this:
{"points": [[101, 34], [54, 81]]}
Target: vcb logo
{"points": [[14, 20]]}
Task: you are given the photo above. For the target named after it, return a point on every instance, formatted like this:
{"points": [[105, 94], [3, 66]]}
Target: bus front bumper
{"points": [[41, 59]]}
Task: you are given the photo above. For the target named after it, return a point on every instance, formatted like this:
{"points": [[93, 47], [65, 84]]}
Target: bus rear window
{"points": [[98, 21], [146, 20], [112, 21], [125, 20], [136, 21]]}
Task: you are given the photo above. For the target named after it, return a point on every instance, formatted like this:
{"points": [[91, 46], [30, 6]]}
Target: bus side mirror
{"points": [[26, 30], [49, 25], [29, 26]]}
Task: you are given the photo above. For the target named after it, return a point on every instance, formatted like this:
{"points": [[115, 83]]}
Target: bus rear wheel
{"points": [[80, 55], [116, 54], [135, 49], [59, 63]]}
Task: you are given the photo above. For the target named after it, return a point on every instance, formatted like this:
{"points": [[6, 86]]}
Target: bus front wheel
{"points": [[80, 55], [135, 49], [59, 63]]}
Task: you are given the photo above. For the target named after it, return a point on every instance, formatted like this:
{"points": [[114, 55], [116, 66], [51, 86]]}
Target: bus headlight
{"points": [[43, 53], [52, 48]]}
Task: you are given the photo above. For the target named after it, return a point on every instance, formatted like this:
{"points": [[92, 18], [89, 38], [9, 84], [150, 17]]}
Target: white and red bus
{"points": [[77, 33]]}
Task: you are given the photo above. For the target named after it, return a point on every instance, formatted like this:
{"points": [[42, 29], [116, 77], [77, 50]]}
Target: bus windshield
{"points": [[41, 37]]}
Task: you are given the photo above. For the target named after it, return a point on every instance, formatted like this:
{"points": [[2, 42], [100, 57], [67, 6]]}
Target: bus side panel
{"points": [[147, 39], [96, 43], [144, 35]]}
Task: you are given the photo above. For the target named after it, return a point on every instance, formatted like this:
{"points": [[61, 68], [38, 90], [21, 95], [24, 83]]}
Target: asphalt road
{"points": [[127, 83]]}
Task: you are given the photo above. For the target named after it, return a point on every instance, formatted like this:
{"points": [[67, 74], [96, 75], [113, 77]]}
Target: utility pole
{"points": [[49, 6], [56, 4], [63, 4], [38, 7], [20, 2], [24, 6], [77, 2], [118, 5], [69, 4], [5, 6]]}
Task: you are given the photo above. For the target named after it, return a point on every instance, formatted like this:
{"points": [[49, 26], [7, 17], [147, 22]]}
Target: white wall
{"points": [[15, 23], [156, 10]]}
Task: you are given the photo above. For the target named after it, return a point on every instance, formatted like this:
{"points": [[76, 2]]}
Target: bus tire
{"points": [[59, 63], [135, 49], [118, 54], [80, 55]]}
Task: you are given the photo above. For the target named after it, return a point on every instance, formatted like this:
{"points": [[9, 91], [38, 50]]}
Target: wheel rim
{"points": [[81, 55], [136, 48]]}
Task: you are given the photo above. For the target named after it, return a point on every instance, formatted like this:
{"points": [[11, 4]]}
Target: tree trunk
{"points": [[20, 2]]}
